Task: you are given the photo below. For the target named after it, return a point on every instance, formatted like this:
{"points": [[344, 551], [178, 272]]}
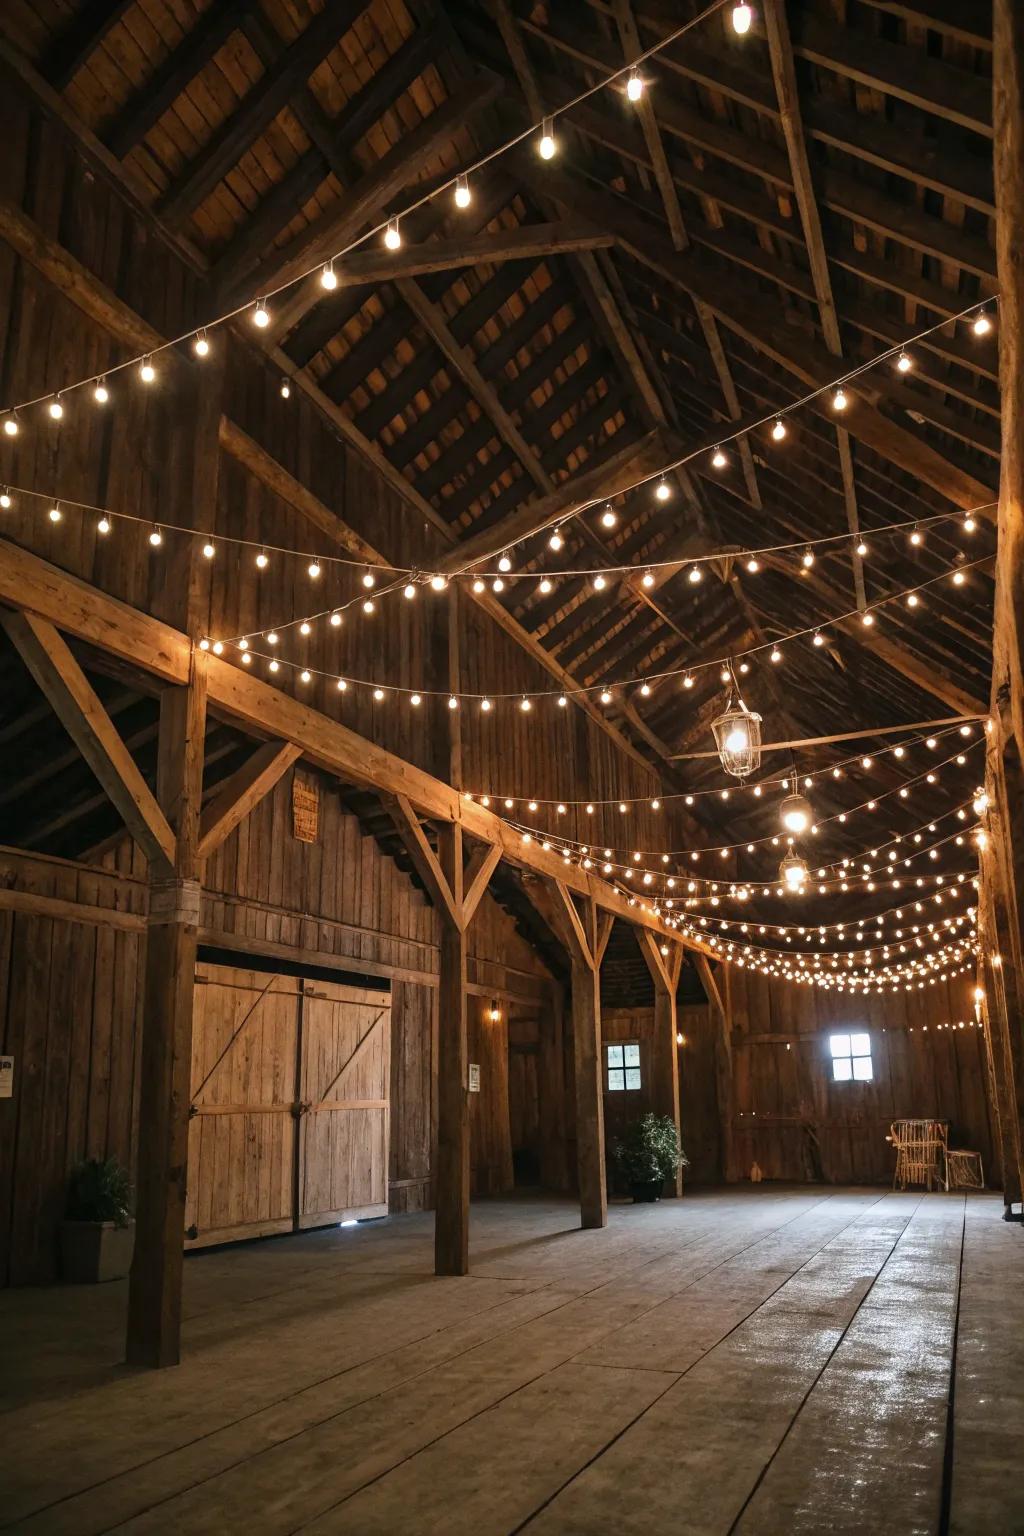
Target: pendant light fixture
{"points": [[738, 735], [793, 872]]}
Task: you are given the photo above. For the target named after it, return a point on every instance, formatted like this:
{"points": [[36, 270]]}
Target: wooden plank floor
{"points": [[753, 1361]]}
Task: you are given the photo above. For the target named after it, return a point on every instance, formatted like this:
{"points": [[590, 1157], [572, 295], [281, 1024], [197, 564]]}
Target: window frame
{"points": [[854, 1050], [622, 1068]]}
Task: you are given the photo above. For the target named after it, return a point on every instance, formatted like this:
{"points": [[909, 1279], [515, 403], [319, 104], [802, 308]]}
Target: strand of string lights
{"points": [[604, 692], [389, 227], [409, 579], [958, 724], [847, 879]]}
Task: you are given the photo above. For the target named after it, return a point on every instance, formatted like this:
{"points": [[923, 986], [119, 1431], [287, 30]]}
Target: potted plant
{"points": [[648, 1154], [98, 1235]]}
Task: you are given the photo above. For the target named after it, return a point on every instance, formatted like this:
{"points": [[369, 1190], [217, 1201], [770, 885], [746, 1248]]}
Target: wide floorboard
{"points": [[750, 1361]]}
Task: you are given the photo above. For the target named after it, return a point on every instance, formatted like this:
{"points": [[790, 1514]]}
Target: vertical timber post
{"points": [[1003, 863], [586, 1029], [154, 1293], [664, 971], [451, 1226]]}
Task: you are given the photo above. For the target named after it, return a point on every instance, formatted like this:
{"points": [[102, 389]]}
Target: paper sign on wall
{"points": [[6, 1077], [474, 1077]]}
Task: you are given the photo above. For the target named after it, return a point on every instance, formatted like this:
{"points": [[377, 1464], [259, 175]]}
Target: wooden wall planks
{"points": [[795, 1122]]}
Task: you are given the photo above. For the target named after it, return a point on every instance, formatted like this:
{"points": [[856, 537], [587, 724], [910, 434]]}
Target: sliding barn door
{"points": [[241, 1151], [290, 1118], [346, 1063]]}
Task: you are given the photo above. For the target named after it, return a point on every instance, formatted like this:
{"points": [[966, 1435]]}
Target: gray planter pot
{"points": [[91, 1251]]}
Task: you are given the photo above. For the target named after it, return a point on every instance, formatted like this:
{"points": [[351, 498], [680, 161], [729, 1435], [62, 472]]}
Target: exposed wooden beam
{"points": [[242, 792], [784, 74], [431, 317], [80, 38], [258, 108], [803, 359], [426, 862], [358, 206], [182, 64], [48, 658], [476, 878], [530, 242]]}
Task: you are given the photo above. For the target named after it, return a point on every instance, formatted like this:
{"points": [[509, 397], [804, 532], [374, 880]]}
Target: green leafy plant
{"points": [[100, 1190], [649, 1152]]}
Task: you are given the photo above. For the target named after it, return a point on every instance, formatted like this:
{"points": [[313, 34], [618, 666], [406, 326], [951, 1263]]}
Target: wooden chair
{"points": [[920, 1152], [964, 1170]]}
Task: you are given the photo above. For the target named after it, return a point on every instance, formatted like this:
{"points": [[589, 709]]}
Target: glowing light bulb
{"points": [[147, 373], [453, 702], [335, 619], [313, 569], [599, 583], [286, 390], [737, 740], [261, 315], [718, 459], [840, 400], [273, 637], [862, 549], [547, 147], [262, 560], [392, 235], [687, 681], [11, 425], [647, 579], [912, 600], [305, 628], [438, 582], [695, 574], [328, 277], [819, 638], [742, 16], [605, 696], [101, 394], [378, 694], [369, 606], [663, 490], [525, 705], [634, 85], [409, 590], [969, 524], [415, 700], [917, 537], [208, 551], [369, 579], [982, 324], [504, 564], [201, 347], [544, 586], [497, 585], [808, 559], [463, 196], [556, 541], [562, 701], [485, 705], [904, 363], [776, 654], [56, 408], [608, 518], [156, 538], [753, 566], [958, 578], [5, 500], [479, 586], [779, 430], [55, 513]]}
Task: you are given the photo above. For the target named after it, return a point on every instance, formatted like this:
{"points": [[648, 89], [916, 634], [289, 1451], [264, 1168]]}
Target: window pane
{"points": [[862, 1069], [633, 1077], [631, 1055], [840, 1045], [860, 1045], [615, 1055], [615, 1080], [841, 1069]]}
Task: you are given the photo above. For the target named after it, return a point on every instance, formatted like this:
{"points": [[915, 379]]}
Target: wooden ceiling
{"points": [[778, 208]]}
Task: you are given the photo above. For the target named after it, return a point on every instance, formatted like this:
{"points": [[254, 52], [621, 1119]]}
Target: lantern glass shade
{"points": [[793, 871], [796, 813], [738, 739]]}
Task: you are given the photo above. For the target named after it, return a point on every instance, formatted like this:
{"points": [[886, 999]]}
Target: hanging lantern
{"points": [[793, 871], [796, 813], [738, 738]]}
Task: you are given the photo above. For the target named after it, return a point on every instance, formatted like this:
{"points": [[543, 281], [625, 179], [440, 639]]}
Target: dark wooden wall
{"points": [[70, 998], [795, 1122]]}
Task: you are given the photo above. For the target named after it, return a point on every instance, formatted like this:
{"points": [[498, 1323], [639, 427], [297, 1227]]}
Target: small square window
{"points": [[623, 1066], [851, 1058]]}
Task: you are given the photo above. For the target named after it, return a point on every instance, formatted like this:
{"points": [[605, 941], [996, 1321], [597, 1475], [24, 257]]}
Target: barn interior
{"points": [[511, 613]]}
